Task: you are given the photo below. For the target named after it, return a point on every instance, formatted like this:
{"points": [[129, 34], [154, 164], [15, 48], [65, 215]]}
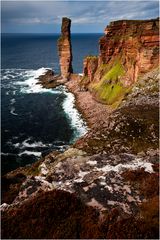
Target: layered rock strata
{"points": [[135, 43], [128, 50], [113, 169], [90, 65], [105, 186], [65, 49]]}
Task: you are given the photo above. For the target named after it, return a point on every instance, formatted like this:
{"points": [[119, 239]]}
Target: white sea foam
{"points": [[36, 154], [30, 84], [12, 101], [75, 117], [5, 154], [33, 145], [26, 144], [12, 111], [4, 77]]}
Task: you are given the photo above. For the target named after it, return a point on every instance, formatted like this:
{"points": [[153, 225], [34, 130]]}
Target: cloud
{"points": [[91, 15]]}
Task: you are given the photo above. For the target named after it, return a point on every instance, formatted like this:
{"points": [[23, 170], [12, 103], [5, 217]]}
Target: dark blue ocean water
{"points": [[35, 121]]}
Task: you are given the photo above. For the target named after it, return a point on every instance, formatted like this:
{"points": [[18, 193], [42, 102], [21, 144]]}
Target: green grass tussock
{"points": [[110, 90], [114, 73]]}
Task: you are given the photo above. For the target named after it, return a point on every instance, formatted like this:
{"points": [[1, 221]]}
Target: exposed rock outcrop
{"points": [[134, 43], [106, 184], [129, 49], [49, 80], [65, 49], [90, 65]]}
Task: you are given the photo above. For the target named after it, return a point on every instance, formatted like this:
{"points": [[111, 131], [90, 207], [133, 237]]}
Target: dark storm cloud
{"points": [[87, 16]]}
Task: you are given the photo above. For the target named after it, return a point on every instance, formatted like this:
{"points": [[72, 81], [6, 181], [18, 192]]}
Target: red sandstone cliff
{"points": [[113, 168], [128, 49], [135, 43]]}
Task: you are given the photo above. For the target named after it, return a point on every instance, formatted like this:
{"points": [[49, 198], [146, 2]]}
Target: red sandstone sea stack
{"points": [[65, 49]]}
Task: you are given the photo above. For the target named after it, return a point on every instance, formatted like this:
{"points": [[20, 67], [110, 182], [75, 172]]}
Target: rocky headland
{"points": [[105, 185]]}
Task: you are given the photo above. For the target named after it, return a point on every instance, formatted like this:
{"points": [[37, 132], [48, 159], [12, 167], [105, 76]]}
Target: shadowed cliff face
{"points": [[65, 49], [129, 49]]}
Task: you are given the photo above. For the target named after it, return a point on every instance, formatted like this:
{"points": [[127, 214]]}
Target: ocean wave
{"points": [[7, 154], [12, 111], [26, 144], [25, 79], [29, 144], [10, 73], [27, 83], [26, 152], [30, 85], [12, 101], [74, 116]]}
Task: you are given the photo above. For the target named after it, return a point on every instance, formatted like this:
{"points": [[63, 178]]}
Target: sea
{"points": [[34, 120]]}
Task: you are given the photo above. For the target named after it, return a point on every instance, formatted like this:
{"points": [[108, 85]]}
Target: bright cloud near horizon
{"points": [[86, 16]]}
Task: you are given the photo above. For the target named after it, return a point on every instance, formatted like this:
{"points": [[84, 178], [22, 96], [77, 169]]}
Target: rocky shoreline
{"points": [[105, 172], [106, 184]]}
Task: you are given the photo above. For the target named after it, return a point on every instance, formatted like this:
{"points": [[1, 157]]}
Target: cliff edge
{"points": [[128, 50], [106, 185]]}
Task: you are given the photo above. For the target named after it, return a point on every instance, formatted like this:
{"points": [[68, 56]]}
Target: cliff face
{"points": [[129, 49], [106, 185], [136, 45], [65, 49], [90, 65]]}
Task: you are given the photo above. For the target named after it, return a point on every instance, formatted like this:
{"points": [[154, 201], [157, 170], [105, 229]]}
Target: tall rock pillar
{"points": [[65, 49]]}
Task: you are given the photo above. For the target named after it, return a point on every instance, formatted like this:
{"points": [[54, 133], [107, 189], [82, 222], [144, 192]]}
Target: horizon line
{"points": [[51, 33]]}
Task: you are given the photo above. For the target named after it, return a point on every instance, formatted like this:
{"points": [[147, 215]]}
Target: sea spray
{"points": [[28, 83], [77, 122], [30, 86], [20, 87]]}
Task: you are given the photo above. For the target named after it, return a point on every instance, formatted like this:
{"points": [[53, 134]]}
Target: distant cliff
{"points": [[128, 49]]}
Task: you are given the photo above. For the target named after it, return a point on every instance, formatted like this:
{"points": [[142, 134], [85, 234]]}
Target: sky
{"points": [[87, 16]]}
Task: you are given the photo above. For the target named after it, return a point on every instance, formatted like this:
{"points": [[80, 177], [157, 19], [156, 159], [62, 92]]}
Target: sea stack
{"points": [[65, 49]]}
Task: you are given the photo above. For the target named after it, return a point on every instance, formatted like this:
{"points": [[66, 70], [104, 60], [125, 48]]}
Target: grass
{"points": [[110, 90], [110, 93], [115, 72]]}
